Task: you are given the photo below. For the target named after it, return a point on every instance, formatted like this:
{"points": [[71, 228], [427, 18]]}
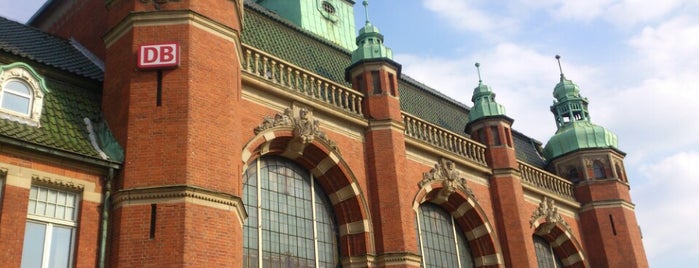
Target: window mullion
{"points": [[315, 224], [47, 245], [456, 241], [259, 213], [419, 237]]}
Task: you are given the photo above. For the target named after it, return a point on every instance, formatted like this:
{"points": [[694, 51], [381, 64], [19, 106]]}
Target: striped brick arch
{"points": [[549, 225], [331, 172], [470, 218]]}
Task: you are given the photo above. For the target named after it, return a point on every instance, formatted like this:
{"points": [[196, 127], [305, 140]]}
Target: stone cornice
{"points": [[180, 193], [172, 17], [608, 204]]}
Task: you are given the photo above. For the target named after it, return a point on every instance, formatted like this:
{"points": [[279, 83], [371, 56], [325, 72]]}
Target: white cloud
{"points": [[666, 201], [467, 15]]}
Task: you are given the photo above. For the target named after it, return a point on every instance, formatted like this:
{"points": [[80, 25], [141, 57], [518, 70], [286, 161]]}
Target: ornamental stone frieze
{"points": [[548, 211], [305, 127], [445, 172]]}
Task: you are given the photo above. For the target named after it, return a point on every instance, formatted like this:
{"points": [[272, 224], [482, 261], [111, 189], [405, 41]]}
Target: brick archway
{"points": [[470, 218], [334, 176], [562, 242]]}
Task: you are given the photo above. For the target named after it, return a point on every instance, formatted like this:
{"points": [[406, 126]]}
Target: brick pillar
{"points": [[607, 218], [177, 201], [506, 190], [393, 218]]}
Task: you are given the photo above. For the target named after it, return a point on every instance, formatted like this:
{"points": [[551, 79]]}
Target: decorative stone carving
{"points": [[549, 212], [305, 127], [445, 171]]}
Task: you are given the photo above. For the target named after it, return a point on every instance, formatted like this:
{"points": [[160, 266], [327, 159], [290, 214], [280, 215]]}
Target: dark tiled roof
{"points": [[66, 104], [62, 125], [31, 43], [528, 149], [269, 32]]}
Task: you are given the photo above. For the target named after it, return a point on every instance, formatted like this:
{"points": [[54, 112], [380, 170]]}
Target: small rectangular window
{"points": [[49, 237], [376, 80], [391, 85], [496, 135]]}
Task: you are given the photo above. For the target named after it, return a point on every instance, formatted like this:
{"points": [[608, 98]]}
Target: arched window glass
{"points": [[598, 168], [545, 257], [16, 97], [441, 242], [573, 175], [286, 210]]}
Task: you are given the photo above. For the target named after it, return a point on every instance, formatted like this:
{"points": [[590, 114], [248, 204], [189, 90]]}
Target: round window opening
{"points": [[327, 7]]}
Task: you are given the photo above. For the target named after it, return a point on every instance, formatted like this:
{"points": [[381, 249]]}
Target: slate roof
{"points": [[33, 44], [273, 34], [65, 105]]}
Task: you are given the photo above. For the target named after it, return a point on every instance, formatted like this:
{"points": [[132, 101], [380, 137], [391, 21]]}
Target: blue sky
{"points": [[636, 60]]}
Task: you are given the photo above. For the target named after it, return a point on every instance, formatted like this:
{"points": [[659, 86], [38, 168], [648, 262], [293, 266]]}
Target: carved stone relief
{"points": [[549, 212], [445, 172], [305, 127]]}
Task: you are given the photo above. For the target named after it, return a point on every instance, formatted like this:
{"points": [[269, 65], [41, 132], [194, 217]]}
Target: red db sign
{"points": [[158, 56]]}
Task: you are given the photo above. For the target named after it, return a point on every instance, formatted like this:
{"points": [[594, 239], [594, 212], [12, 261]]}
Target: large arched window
{"points": [[441, 242], [545, 257], [286, 210]]}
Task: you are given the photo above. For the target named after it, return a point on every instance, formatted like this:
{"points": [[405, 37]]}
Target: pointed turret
{"points": [[488, 124], [370, 42], [575, 130], [587, 155], [484, 104]]}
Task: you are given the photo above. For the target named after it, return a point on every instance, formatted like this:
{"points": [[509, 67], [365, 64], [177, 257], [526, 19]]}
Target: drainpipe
{"points": [[105, 218]]}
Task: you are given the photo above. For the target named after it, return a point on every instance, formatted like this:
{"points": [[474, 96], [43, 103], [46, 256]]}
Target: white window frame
{"points": [[26, 75], [29, 96], [52, 223]]}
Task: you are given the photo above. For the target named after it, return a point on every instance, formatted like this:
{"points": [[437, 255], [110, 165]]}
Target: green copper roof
{"points": [[332, 20], [484, 104], [579, 135], [370, 42], [575, 130]]}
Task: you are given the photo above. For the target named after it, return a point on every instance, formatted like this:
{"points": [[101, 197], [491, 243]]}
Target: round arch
{"points": [[549, 225], [468, 215], [331, 172]]}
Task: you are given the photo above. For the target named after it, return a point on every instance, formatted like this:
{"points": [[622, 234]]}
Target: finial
{"points": [[366, 10], [558, 58], [478, 68]]}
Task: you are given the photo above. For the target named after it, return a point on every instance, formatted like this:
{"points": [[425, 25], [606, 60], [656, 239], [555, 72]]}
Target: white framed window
{"points": [[49, 237], [16, 97], [290, 220], [441, 242], [22, 93]]}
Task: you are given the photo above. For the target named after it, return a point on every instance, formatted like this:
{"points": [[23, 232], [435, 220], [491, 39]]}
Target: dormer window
{"points": [[21, 93], [16, 97]]}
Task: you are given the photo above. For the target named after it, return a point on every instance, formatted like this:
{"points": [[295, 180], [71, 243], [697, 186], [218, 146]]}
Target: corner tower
{"points": [[331, 19], [587, 155], [489, 125], [177, 199], [374, 73]]}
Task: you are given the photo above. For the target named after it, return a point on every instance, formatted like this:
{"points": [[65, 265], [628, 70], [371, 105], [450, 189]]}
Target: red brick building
{"points": [[280, 138]]}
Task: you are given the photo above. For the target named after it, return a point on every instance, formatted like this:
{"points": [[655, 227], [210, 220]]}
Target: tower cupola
{"points": [[484, 103], [575, 131], [370, 42]]}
